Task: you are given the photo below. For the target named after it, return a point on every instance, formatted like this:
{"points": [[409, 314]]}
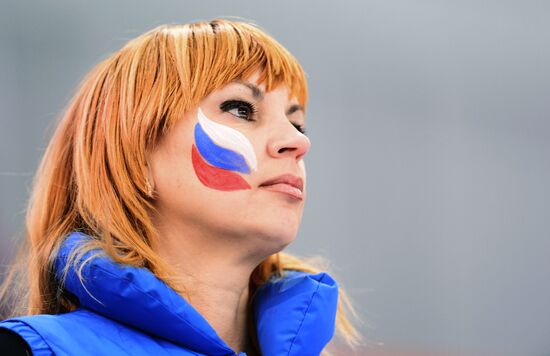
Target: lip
{"points": [[287, 183]]}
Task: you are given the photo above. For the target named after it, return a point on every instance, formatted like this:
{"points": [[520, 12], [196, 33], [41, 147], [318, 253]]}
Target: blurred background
{"points": [[428, 174]]}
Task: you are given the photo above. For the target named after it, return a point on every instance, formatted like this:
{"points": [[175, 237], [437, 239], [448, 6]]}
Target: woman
{"points": [[163, 200]]}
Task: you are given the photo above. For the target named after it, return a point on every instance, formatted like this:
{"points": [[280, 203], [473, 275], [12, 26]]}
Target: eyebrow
{"points": [[259, 94], [256, 92], [294, 108]]}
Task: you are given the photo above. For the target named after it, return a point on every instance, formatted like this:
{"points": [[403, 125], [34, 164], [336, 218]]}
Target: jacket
{"points": [[124, 310]]}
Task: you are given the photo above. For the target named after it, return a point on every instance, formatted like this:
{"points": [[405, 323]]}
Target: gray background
{"points": [[430, 159]]}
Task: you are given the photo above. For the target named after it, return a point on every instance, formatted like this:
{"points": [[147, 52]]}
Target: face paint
{"points": [[220, 150], [219, 156], [229, 138], [214, 177]]}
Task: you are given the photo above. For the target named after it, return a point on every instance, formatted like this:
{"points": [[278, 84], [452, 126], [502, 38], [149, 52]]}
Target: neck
{"points": [[215, 271]]}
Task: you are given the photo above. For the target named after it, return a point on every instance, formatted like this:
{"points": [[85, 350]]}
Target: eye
{"points": [[239, 108], [300, 128]]}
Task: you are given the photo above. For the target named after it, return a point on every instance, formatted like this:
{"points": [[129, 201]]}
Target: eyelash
{"points": [[235, 104], [228, 105]]}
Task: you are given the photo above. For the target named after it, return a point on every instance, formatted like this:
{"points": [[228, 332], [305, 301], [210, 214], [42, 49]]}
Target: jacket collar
{"points": [[294, 314]]}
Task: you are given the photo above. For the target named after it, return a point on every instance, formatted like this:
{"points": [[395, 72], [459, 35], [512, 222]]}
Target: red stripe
{"points": [[214, 177]]}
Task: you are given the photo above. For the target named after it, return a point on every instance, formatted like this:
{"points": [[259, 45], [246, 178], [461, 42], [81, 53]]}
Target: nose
{"points": [[289, 143]]}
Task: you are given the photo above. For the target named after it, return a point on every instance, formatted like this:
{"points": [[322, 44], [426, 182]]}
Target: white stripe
{"points": [[229, 138]]}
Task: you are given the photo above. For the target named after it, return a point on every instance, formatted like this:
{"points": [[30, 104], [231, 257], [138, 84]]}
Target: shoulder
{"points": [[296, 312], [84, 332], [46, 333], [298, 282]]}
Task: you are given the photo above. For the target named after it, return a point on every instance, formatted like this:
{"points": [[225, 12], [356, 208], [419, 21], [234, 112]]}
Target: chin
{"points": [[277, 236], [273, 228]]}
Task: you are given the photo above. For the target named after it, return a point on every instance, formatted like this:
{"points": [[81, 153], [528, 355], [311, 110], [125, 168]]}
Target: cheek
{"points": [[214, 177], [221, 155]]}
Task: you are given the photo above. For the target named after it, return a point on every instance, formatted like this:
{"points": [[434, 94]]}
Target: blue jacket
{"points": [[128, 311]]}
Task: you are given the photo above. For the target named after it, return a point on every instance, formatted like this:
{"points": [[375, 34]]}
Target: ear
{"points": [[150, 181]]}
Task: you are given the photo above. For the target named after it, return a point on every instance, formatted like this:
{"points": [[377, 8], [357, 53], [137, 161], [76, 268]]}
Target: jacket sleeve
{"points": [[30, 342]]}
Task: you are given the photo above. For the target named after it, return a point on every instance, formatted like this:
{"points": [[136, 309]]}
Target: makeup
{"points": [[219, 156], [219, 153], [229, 138], [217, 178]]}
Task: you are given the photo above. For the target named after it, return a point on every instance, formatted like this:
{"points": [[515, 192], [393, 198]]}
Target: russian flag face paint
{"points": [[220, 153]]}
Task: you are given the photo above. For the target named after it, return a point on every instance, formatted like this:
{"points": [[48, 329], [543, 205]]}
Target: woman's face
{"points": [[211, 169]]}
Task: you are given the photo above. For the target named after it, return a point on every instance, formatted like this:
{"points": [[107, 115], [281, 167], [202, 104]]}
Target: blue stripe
{"points": [[219, 156]]}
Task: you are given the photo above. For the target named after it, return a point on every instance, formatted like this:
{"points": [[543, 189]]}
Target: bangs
{"points": [[220, 51]]}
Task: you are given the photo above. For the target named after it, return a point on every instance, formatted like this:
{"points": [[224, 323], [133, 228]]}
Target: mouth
{"points": [[288, 184]]}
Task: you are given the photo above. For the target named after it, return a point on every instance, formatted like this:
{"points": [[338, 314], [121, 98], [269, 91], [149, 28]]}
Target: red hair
{"points": [[92, 177]]}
